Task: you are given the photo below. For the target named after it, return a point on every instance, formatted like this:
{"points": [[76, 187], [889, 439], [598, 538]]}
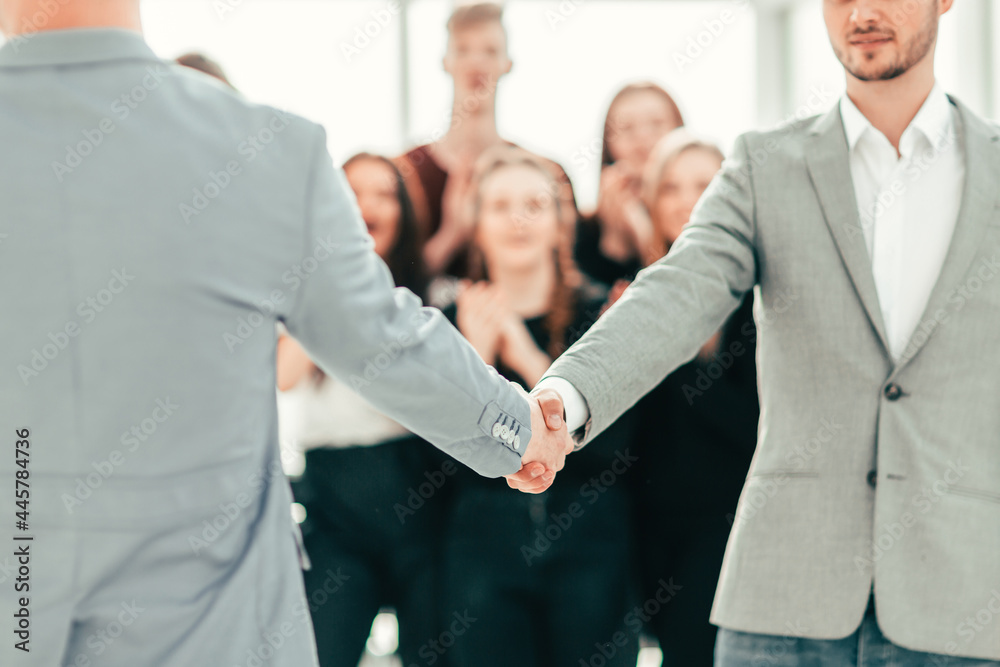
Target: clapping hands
{"points": [[486, 319], [627, 228], [499, 334], [550, 442]]}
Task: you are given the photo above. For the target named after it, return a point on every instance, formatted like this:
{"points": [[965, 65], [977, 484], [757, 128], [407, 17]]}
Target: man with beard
{"points": [[868, 530]]}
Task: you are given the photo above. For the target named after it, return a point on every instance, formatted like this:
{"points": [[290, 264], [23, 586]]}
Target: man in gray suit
{"points": [[868, 531], [154, 229]]}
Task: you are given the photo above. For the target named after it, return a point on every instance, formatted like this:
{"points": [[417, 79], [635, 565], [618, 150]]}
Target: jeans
{"points": [[867, 647]]}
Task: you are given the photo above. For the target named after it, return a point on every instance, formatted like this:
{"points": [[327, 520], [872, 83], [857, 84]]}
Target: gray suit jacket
{"points": [[865, 470], [154, 226]]}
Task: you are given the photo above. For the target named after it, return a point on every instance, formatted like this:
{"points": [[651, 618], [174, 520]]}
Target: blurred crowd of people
{"points": [[630, 537]]}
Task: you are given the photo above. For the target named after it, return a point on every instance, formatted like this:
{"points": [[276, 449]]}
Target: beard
{"points": [[913, 52]]}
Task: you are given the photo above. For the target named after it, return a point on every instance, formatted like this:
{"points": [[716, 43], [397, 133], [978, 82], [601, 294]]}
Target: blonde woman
{"points": [[697, 430]]}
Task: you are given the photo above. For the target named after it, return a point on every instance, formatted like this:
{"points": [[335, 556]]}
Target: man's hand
{"points": [[550, 442]]}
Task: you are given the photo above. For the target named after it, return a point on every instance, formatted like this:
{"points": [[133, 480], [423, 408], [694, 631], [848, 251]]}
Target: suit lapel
{"points": [[979, 198], [829, 167]]}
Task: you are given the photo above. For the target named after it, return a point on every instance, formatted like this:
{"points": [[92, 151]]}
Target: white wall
{"points": [[570, 57]]}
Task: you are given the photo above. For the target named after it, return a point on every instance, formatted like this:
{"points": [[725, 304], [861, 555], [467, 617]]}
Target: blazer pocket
{"points": [[979, 494]]}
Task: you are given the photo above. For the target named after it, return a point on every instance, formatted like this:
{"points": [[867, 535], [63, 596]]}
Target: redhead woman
{"points": [[546, 576]]}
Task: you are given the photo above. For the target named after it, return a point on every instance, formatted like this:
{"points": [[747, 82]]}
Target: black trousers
{"points": [[530, 585], [687, 551], [369, 547]]}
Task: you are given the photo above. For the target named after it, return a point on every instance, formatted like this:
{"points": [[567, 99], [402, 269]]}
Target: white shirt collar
{"points": [[934, 120]]}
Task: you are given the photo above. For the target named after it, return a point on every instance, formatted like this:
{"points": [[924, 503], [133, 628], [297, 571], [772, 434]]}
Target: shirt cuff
{"points": [[577, 412]]}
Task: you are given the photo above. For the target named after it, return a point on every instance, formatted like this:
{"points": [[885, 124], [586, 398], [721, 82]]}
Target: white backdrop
{"points": [[570, 57]]}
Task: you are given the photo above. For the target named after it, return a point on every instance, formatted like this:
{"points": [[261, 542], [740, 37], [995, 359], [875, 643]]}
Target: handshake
{"points": [[550, 442]]}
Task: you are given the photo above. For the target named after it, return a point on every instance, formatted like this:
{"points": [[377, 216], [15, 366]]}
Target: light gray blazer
{"points": [[812, 532], [154, 226]]}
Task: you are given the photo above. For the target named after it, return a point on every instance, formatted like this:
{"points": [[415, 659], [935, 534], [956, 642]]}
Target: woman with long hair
{"points": [[610, 242], [370, 544], [696, 431], [546, 576]]}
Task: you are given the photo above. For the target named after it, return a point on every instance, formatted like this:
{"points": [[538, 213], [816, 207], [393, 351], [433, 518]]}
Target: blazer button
{"points": [[893, 391], [872, 478]]}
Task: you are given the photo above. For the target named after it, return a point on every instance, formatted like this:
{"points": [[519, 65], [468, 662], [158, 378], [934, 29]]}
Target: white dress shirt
{"points": [[908, 205]]}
